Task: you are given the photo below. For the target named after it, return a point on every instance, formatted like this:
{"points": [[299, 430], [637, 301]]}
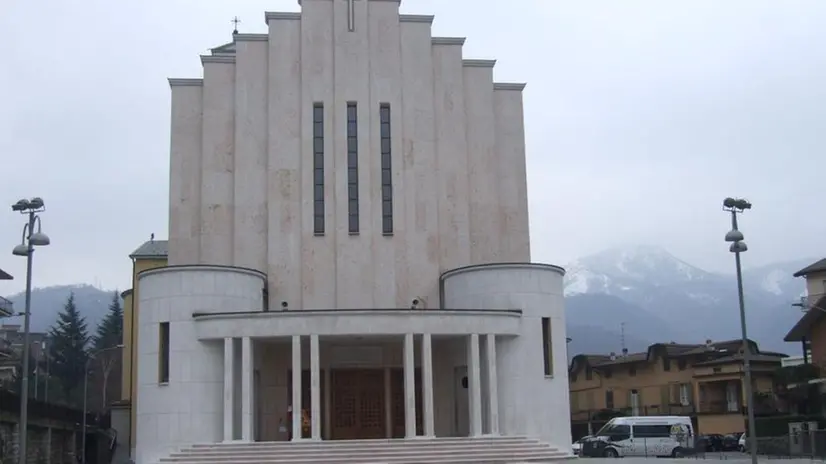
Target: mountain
{"points": [[657, 297], [47, 302]]}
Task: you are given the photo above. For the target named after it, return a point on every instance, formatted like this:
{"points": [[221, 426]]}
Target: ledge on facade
{"points": [[310, 312], [185, 82], [478, 63], [281, 15], [509, 86], [479, 267], [447, 40], [251, 37], [411, 18], [126, 293], [202, 267], [217, 59]]}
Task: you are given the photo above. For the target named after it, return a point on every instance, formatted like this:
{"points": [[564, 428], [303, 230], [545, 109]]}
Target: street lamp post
{"points": [[736, 206], [30, 240], [91, 357]]}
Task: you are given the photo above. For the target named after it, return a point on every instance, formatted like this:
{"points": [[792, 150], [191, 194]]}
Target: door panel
{"points": [[358, 404]]}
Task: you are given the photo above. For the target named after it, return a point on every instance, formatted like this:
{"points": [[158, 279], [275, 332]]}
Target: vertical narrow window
{"points": [[352, 168], [318, 169], [386, 173], [163, 353], [547, 346]]}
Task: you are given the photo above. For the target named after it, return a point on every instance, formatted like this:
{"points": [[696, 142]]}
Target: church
{"points": [[348, 257]]}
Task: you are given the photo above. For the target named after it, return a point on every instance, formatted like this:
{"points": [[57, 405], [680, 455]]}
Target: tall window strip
{"points": [[163, 352], [318, 169], [352, 168], [547, 346], [386, 173]]}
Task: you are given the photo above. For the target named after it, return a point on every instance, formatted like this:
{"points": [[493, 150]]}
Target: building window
{"points": [[352, 168], [609, 399], [607, 373], [681, 364], [666, 364], [318, 168], [632, 371], [685, 396], [547, 348], [589, 373], [386, 173], [163, 353]]}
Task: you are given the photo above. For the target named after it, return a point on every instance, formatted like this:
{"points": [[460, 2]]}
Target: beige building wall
{"points": [[458, 158]]}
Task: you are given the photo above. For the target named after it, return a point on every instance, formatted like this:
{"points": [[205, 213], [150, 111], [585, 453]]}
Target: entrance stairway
{"points": [[492, 450]]}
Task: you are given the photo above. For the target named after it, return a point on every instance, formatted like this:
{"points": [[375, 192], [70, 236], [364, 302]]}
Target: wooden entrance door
{"points": [[358, 403]]}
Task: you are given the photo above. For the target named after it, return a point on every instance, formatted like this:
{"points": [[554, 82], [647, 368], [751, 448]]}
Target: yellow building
{"points": [[704, 381], [150, 255]]}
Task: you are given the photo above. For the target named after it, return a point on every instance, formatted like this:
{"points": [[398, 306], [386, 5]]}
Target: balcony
{"points": [[6, 307], [721, 407]]}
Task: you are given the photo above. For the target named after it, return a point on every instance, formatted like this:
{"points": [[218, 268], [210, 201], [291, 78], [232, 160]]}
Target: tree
{"points": [[69, 339], [108, 336]]}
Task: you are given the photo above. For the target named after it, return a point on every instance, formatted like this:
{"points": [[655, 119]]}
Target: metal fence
{"points": [[809, 445]]}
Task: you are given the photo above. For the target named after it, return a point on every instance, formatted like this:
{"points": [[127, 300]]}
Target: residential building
{"points": [[347, 197], [6, 307], [704, 381], [810, 330]]}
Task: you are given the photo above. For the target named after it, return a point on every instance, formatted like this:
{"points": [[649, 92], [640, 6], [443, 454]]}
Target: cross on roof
{"points": [[235, 22]]}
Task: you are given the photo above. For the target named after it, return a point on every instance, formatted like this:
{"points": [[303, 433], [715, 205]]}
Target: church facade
{"points": [[348, 252]]}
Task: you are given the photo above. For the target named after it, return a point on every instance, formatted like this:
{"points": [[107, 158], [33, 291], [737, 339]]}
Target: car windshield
{"points": [[610, 429]]}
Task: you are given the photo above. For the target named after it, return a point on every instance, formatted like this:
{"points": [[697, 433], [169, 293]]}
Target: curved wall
{"points": [[530, 403], [189, 407]]}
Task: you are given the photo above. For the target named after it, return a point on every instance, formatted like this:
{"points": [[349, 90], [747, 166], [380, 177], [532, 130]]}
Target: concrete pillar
{"points": [[229, 382], [475, 386], [409, 388], [493, 391], [315, 389], [247, 397], [388, 403], [427, 385], [296, 415]]}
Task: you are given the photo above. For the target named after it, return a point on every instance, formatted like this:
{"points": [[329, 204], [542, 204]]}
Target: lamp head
{"points": [[21, 205], [39, 239], [738, 247], [20, 250], [736, 204], [734, 236]]}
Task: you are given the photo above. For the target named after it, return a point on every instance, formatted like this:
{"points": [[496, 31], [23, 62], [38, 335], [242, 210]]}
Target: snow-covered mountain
{"points": [[653, 296]]}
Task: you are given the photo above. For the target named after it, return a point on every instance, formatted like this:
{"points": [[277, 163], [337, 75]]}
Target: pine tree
{"points": [[107, 362], [69, 339]]}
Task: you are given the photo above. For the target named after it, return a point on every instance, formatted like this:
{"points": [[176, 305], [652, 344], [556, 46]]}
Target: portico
{"points": [[359, 387]]}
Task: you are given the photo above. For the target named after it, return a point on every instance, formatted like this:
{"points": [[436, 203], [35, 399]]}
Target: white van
{"points": [[642, 436]]}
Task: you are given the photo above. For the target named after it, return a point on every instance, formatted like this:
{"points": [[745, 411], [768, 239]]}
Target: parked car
{"points": [[577, 446], [731, 442], [710, 442], [741, 443]]}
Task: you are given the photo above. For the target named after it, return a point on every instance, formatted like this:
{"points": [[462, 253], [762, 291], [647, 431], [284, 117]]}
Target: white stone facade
{"points": [[461, 335]]}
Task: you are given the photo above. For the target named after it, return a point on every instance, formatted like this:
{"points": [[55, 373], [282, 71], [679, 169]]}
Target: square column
{"points": [[409, 388], [427, 385], [475, 386], [315, 389], [247, 425], [493, 390], [229, 394], [296, 415]]}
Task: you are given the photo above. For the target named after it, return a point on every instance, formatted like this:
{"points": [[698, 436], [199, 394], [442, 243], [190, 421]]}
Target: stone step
{"points": [[492, 450], [419, 458], [369, 442], [362, 445], [344, 452]]}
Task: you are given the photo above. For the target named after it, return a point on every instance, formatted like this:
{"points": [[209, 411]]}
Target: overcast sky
{"points": [[641, 117]]}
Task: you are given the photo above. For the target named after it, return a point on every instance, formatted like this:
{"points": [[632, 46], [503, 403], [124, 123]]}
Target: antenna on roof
{"points": [[622, 337], [235, 22]]}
